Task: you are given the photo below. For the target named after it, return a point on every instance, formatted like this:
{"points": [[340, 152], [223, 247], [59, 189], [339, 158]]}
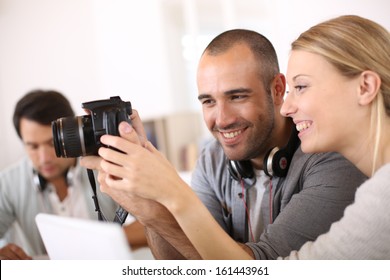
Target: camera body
{"points": [[80, 135]]}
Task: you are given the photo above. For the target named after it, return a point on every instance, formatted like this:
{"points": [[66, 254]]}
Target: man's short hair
{"points": [[41, 106], [262, 49]]}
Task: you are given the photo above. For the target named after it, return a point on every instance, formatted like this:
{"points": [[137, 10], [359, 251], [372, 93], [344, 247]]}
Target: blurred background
{"points": [[145, 52]]}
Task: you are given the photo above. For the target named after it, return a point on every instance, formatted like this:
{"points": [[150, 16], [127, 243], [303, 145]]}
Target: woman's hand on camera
{"points": [[137, 125]]}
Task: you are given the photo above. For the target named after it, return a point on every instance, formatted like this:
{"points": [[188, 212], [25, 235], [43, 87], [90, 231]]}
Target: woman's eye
{"points": [[300, 88]]}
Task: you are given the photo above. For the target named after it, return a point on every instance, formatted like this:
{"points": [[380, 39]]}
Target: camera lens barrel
{"points": [[80, 136], [73, 137]]}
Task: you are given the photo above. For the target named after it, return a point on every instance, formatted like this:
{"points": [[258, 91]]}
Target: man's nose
{"points": [[46, 153], [225, 115]]}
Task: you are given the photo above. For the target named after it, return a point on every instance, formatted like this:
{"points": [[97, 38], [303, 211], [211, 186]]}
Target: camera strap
{"points": [[120, 214], [91, 178]]}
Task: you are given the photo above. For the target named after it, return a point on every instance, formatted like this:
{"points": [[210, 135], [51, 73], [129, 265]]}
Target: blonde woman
{"points": [[339, 80]]}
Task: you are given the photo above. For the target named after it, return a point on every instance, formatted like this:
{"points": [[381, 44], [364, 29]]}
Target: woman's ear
{"points": [[278, 88], [370, 83]]}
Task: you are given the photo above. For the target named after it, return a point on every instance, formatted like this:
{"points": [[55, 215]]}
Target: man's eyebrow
{"points": [[203, 96], [49, 141], [228, 92], [238, 90]]}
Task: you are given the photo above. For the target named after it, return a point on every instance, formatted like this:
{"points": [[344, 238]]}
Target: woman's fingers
{"points": [[138, 127], [125, 143]]}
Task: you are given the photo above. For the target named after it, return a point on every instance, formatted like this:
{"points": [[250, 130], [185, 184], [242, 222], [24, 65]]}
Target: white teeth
{"points": [[303, 125], [231, 134]]}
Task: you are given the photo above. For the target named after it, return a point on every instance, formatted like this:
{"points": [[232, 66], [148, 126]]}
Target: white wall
{"points": [[95, 49], [87, 50]]}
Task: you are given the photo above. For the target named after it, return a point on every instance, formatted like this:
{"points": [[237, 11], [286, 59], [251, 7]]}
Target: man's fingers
{"points": [[91, 162], [13, 252]]}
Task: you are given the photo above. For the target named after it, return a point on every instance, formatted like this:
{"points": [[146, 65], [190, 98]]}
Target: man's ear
{"points": [[278, 88], [370, 83]]}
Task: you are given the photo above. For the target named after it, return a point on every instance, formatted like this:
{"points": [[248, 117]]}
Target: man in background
{"points": [[43, 183]]}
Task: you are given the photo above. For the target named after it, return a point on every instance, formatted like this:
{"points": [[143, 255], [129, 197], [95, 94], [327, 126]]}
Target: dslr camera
{"points": [[80, 135]]}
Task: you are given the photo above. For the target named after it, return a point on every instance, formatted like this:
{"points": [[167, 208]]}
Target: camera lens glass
{"points": [[74, 137]]}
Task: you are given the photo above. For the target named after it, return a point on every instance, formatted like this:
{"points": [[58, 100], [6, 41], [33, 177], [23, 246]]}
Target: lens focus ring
{"points": [[70, 137]]}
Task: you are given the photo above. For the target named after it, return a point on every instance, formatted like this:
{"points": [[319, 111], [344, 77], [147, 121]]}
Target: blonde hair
{"points": [[353, 44]]}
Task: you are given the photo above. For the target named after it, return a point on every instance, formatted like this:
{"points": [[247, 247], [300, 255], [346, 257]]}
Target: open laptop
{"points": [[67, 238]]}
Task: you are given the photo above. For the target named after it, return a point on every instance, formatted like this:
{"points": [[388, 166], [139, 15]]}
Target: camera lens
{"points": [[74, 137]]}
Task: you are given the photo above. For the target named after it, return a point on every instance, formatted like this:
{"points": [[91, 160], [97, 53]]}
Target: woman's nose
{"points": [[288, 108]]}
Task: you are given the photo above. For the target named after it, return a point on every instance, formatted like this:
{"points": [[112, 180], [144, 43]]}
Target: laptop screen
{"points": [[67, 238]]}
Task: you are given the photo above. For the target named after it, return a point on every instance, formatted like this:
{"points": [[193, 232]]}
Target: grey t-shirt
{"points": [[305, 203]]}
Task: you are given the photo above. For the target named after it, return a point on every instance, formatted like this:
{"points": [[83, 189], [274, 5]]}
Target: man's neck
{"points": [[61, 186]]}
